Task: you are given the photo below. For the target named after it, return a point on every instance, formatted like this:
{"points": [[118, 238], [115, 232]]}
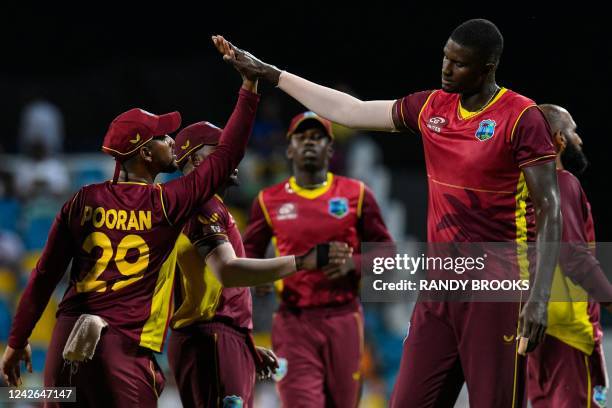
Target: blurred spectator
{"points": [[41, 121], [41, 138]]}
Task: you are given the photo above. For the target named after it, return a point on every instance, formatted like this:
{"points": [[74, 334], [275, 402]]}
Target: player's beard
{"points": [[171, 167], [574, 160], [233, 180]]}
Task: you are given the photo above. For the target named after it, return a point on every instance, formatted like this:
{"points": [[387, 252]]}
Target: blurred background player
{"points": [[210, 350], [490, 166], [569, 369], [318, 329], [119, 237]]}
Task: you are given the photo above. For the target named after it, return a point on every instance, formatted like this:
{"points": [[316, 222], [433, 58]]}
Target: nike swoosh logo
{"points": [[508, 339], [185, 146], [134, 141]]}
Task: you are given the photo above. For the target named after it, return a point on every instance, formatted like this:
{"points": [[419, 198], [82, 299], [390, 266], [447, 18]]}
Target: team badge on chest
{"points": [[486, 130], [338, 207]]}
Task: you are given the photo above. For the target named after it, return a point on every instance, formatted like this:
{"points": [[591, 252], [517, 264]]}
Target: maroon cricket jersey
{"points": [[121, 241], [477, 191], [296, 219], [575, 323], [201, 297]]}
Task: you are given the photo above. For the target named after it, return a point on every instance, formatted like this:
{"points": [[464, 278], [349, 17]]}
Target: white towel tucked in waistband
{"points": [[84, 337]]}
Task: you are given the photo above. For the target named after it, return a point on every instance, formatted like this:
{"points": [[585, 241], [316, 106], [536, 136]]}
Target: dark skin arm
{"points": [[246, 63], [544, 192]]}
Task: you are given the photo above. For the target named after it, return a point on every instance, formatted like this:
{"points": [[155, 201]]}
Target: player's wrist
{"points": [[271, 74], [299, 262]]}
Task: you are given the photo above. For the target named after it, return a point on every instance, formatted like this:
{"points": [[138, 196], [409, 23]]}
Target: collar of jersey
{"points": [[133, 182], [311, 194], [466, 114]]}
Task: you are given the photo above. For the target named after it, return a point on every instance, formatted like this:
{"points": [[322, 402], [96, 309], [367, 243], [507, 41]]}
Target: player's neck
{"points": [[308, 179], [476, 101], [559, 163], [136, 178]]}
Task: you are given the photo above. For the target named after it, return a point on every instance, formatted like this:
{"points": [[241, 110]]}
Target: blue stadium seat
{"points": [[9, 208]]}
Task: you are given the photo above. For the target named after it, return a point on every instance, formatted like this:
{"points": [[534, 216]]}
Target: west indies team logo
{"points": [[486, 130], [233, 401], [436, 123], [600, 395], [338, 207]]}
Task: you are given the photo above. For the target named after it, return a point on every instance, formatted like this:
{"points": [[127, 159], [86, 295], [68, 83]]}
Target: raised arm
{"points": [[336, 106]]}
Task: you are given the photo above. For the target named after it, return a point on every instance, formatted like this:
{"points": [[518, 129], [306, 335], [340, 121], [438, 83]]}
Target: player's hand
{"points": [[11, 361], [332, 254], [533, 320], [268, 365], [264, 289], [247, 64], [338, 271]]}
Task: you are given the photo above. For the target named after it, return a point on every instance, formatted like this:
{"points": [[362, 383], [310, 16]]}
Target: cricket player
{"points": [[318, 329], [118, 237], [491, 172], [210, 350], [570, 369]]}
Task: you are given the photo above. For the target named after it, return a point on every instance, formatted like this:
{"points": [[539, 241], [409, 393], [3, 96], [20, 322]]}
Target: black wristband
{"points": [[322, 255]]}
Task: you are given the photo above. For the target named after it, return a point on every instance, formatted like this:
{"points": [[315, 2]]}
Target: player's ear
{"points": [[194, 159], [490, 67], [146, 153], [330, 149], [559, 140], [290, 152]]}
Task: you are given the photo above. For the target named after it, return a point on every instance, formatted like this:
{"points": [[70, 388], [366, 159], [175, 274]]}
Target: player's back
{"points": [[123, 258]]}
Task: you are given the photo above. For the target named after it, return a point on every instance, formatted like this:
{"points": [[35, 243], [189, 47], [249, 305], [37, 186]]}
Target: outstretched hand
{"points": [[332, 254], [247, 64]]}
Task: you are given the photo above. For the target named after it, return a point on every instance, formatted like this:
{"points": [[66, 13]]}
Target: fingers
{"points": [[271, 359], [523, 344], [531, 335], [224, 47], [339, 249], [333, 272], [4, 371], [11, 374], [28, 361]]}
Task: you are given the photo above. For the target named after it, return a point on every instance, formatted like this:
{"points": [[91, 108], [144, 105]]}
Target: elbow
{"points": [[227, 277], [550, 207]]}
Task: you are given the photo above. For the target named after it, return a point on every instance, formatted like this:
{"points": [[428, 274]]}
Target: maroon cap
{"points": [[302, 117], [195, 136], [130, 130]]}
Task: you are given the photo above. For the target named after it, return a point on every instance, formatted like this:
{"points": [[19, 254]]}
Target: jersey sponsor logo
{"points": [[338, 207], [436, 123], [287, 211], [281, 371], [117, 219], [186, 145], [486, 130], [136, 140], [233, 401]]}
